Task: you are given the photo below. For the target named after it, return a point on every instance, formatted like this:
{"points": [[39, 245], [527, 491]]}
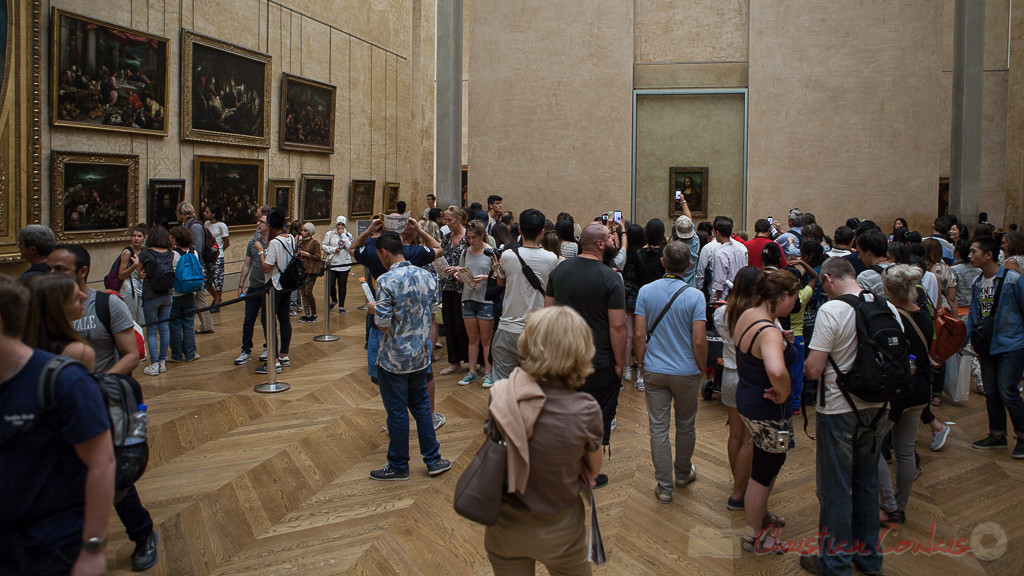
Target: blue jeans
{"points": [[796, 373], [253, 306], [846, 472], [157, 311], [372, 348], [183, 317], [403, 394], [1000, 375]]}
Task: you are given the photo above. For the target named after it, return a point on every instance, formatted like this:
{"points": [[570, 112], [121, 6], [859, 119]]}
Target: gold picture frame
{"points": [[225, 92], [307, 115], [235, 185], [21, 139], [280, 189], [392, 194], [95, 196], [361, 198], [122, 90]]}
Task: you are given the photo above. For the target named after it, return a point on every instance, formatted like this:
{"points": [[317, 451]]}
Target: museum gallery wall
{"points": [[134, 106]]}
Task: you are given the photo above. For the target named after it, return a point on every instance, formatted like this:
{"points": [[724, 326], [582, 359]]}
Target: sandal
{"points": [[451, 370], [756, 544], [936, 400], [435, 358], [772, 520]]}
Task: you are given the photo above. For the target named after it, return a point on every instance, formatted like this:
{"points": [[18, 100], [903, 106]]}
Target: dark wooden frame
{"points": [[270, 198], [358, 187], [392, 194], [158, 186]]}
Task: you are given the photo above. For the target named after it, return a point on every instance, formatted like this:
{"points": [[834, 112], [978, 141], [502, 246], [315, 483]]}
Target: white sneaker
{"points": [[163, 366], [627, 374], [153, 369], [263, 355], [243, 358], [639, 384], [439, 420]]}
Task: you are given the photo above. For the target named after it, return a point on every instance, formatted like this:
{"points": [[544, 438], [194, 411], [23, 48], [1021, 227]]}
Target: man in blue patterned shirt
{"points": [[406, 302]]}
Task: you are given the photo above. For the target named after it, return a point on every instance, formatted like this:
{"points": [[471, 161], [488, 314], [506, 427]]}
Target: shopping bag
{"points": [[958, 377]]}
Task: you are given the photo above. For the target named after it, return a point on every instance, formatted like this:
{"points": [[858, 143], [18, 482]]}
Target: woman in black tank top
{"points": [[55, 302]]}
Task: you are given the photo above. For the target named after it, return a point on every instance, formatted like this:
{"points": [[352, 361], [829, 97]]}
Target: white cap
{"points": [[340, 220]]}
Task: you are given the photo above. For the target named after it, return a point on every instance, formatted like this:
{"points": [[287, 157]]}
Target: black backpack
{"points": [[881, 370], [294, 274], [162, 278], [122, 395]]}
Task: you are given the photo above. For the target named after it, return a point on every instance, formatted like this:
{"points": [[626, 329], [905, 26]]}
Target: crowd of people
{"points": [[554, 317]]}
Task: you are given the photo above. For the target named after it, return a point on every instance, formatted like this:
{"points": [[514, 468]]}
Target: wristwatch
{"points": [[94, 545]]}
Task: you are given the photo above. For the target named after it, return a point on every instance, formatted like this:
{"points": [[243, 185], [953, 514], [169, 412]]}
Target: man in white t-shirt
{"points": [[521, 297], [846, 470], [275, 258]]}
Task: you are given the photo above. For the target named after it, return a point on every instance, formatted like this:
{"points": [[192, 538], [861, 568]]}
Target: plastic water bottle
{"points": [[137, 426]]}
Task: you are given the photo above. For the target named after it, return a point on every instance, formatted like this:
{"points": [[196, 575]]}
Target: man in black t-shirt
{"points": [[594, 290]]}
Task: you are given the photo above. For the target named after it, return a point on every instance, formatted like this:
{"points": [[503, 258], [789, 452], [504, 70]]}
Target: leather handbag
{"points": [[950, 333], [479, 492]]}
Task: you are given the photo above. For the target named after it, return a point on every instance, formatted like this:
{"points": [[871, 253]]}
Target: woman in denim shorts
{"points": [[477, 311]]}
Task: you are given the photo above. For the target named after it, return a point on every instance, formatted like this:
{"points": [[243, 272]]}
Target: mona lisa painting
{"points": [[691, 185]]}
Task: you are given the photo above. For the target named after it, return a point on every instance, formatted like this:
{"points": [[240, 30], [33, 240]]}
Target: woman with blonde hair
{"points": [[542, 516], [764, 356], [54, 303], [900, 284], [453, 244]]}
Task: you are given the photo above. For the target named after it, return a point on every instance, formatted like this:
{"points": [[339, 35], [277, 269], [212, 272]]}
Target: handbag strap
{"points": [[920, 334], [664, 310]]}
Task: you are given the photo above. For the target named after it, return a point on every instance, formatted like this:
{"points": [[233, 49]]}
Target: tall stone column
{"points": [[448, 153], [968, 80]]}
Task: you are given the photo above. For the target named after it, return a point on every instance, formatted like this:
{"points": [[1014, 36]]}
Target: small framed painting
{"points": [[391, 196], [162, 201], [688, 184], [95, 196], [281, 194], [360, 198], [315, 198]]}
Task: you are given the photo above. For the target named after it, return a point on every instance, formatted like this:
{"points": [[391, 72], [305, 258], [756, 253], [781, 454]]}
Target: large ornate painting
{"points": [[235, 185], [21, 162], [315, 198], [307, 115], [95, 196], [225, 92], [106, 76]]}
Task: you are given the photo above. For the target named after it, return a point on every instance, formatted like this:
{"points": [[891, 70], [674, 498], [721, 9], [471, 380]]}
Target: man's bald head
{"points": [[591, 235]]}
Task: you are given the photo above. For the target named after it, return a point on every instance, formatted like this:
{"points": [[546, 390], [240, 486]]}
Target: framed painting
{"points": [[281, 194], [688, 184], [315, 198], [162, 202], [106, 76], [235, 185], [360, 198], [225, 92], [391, 196], [307, 115], [95, 196]]}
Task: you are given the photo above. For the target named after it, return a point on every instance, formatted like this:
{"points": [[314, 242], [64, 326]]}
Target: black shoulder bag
{"points": [[650, 329], [981, 335]]}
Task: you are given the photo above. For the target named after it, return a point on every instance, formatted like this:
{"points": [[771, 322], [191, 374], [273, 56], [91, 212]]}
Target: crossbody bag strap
{"points": [[650, 329], [531, 276], [920, 335]]}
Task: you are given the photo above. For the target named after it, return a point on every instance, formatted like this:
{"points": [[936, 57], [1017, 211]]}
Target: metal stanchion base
{"points": [[271, 387], [326, 338]]}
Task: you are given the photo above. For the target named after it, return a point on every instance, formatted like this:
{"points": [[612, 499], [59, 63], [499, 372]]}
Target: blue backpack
{"points": [[188, 275]]}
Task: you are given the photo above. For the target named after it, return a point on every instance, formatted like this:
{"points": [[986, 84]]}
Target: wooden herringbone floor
{"points": [[242, 483]]}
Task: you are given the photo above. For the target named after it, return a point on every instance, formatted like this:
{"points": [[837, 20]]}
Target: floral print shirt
{"points": [[406, 303], [453, 254]]}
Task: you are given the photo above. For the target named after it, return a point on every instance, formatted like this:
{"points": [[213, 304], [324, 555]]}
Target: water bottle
{"points": [[137, 426]]}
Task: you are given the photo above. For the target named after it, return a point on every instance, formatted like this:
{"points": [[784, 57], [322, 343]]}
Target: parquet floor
{"points": [[242, 483]]}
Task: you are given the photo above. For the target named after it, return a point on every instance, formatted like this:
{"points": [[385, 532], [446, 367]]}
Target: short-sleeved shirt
{"points": [[520, 296], [414, 254], [592, 289], [670, 349], [478, 264], [257, 279], [965, 276], [871, 280], [835, 332], [93, 331], [198, 236], [796, 318], [278, 254], [43, 480], [219, 231], [406, 303], [150, 260], [568, 427]]}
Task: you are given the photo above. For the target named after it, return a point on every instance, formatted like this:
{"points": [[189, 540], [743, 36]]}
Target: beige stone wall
{"points": [[550, 104], [381, 133]]}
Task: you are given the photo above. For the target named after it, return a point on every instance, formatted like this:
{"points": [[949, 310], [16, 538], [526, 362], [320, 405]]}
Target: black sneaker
{"points": [[1018, 451], [144, 556], [439, 467], [601, 481], [990, 441], [312, 318], [262, 368], [389, 473], [304, 319]]}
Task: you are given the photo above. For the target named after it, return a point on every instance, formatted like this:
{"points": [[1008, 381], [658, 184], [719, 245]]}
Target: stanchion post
{"points": [[273, 386], [327, 336]]}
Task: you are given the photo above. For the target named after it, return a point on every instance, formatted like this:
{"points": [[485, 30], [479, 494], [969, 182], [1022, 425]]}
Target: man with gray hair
{"points": [[35, 242], [791, 239], [672, 360]]}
